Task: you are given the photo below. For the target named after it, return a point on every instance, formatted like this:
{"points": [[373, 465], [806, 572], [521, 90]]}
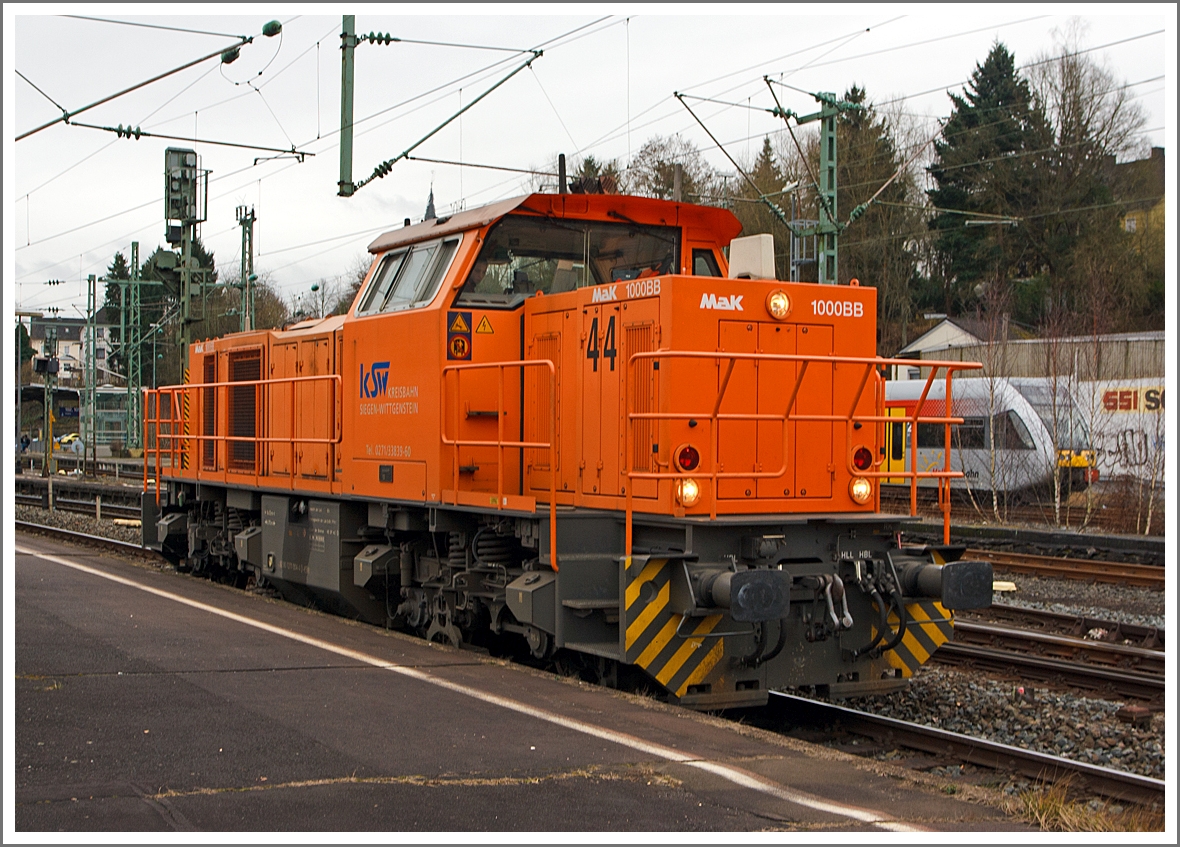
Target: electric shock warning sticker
{"points": [[459, 336]]}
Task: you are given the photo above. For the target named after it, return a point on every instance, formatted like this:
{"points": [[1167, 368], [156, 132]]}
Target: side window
{"points": [[409, 281], [408, 278], [382, 282], [931, 434], [704, 263], [969, 435]]}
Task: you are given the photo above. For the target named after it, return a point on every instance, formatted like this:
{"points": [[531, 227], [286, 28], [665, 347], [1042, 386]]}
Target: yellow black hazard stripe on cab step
{"points": [[930, 626], [677, 651], [184, 410]]}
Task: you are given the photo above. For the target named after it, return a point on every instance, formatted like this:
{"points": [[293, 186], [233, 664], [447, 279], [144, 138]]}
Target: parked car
{"points": [[72, 443]]}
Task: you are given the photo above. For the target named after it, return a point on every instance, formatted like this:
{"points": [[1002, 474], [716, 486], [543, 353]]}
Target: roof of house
{"points": [[72, 329], [963, 332], [1139, 184]]}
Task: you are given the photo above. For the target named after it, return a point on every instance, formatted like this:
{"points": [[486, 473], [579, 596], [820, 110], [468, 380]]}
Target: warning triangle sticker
{"points": [[459, 325], [485, 326]]}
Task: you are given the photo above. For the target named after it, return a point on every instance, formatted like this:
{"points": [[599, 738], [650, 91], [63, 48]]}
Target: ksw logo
{"points": [[732, 303], [373, 383]]}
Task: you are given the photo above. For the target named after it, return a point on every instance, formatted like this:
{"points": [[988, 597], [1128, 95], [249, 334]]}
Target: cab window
{"points": [[523, 255], [408, 277], [704, 263]]}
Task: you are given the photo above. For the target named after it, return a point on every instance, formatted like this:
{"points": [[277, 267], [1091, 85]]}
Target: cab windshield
{"points": [[523, 255], [1058, 413]]}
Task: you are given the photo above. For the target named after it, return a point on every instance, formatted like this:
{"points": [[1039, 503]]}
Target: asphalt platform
{"points": [[148, 701]]}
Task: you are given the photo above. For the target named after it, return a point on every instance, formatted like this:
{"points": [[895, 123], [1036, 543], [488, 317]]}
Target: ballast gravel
{"points": [[1025, 715], [1032, 716]]}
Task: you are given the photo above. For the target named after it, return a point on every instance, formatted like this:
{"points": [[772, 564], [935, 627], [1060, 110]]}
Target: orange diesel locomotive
{"points": [[570, 421]]}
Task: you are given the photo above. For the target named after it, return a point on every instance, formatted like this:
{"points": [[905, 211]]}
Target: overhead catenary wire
{"points": [[42, 93], [66, 117], [774, 207], [613, 133], [409, 157], [383, 168], [128, 132], [218, 178], [155, 26], [114, 141], [560, 40]]}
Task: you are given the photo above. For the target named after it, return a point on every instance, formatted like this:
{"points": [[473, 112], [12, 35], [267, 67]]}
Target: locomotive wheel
{"points": [[539, 642]]}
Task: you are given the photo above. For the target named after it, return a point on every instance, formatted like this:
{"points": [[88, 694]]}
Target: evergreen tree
{"points": [[991, 164], [156, 301], [594, 176], [1092, 266], [768, 176], [24, 347]]}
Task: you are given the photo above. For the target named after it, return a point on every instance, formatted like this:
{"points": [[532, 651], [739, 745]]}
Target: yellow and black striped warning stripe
{"points": [[675, 661], [930, 626], [184, 407]]}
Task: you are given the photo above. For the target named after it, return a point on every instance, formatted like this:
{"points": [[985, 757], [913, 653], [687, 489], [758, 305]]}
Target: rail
{"points": [[978, 751], [175, 444], [852, 421], [501, 443]]}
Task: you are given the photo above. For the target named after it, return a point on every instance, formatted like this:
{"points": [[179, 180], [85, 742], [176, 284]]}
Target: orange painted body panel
{"points": [[410, 406]]}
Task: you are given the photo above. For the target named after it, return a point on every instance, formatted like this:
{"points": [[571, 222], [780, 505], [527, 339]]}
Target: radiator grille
{"points": [[243, 412], [639, 339], [209, 414]]}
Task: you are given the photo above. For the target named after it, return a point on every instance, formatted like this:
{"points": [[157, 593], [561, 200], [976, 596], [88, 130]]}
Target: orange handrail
{"points": [[176, 441], [715, 416]]}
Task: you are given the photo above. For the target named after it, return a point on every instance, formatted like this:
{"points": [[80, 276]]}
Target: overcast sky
{"points": [[74, 196]]}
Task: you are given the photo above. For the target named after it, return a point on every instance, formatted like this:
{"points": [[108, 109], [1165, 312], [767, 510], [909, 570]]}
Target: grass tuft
{"points": [[1053, 809]]}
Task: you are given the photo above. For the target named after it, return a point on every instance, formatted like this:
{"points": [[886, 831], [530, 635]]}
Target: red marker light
{"points": [[688, 458], [862, 459]]}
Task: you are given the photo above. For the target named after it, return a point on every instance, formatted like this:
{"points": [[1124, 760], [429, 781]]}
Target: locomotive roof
{"points": [[719, 223]]}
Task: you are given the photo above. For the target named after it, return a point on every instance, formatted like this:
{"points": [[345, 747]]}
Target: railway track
{"points": [[1107, 782], [1089, 570], [1063, 623], [1140, 660], [83, 538], [80, 496], [97, 508], [1050, 647], [1099, 679]]}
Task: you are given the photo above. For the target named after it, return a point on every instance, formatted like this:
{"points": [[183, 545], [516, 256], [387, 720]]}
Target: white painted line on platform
{"points": [[732, 774]]}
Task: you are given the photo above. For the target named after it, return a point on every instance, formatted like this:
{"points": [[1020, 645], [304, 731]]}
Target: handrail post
{"points": [[500, 437], [553, 466], [945, 495], [628, 457]]}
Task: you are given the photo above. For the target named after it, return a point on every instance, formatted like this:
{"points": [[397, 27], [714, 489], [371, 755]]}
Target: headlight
{"points": [[688, 492], [778, 304], [860, 489]]}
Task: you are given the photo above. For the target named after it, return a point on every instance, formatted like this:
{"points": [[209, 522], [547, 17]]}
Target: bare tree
{"points": [[652, 172]]}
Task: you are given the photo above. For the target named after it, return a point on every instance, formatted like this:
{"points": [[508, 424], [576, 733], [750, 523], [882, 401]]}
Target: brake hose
{"points": [[882, 626], [782, 640], [902, 621]]}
